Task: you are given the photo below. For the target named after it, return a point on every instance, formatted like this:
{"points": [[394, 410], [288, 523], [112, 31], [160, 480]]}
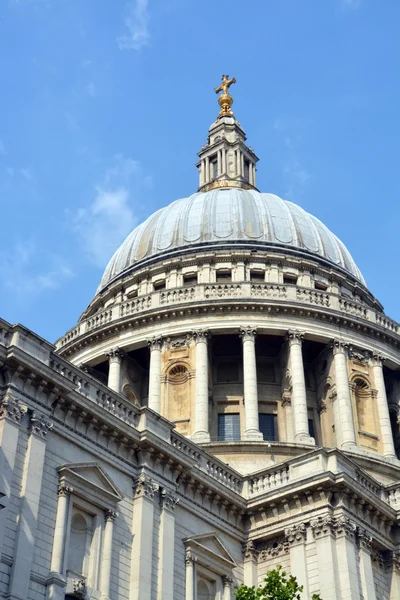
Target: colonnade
{"points": [[296, 405]]}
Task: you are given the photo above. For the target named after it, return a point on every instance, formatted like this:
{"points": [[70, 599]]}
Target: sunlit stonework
{"points": [[228, 401]]}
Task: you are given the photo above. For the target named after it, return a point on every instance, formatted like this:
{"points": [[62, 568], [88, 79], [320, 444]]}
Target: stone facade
{"points": [[216, 411]]}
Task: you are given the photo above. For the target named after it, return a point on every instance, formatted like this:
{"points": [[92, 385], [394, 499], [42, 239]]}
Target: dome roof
{"points": [[226, 217]]}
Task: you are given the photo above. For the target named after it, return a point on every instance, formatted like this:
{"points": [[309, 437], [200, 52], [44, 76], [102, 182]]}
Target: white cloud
{"points": [[91, 89], [103, 226], [137, 22], [20, 274]]}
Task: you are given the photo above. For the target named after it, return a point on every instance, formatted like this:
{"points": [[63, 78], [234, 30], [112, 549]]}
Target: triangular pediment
{"points": [[209, 545], [90, 480]]}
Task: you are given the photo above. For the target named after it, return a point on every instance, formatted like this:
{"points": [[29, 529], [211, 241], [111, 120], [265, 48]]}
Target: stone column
{"points": [[366, 574], [238, 163], [347, 558], [394, 570], [11, 413], [224, 169], [219, 157], [288, 412], [166, 546], [106, 558], [299, 397], [190, 574], [201, 433], [55, 581], [242, 164], [323, 530], [383, 410], [114, 373], [227, 583], [29, 507], [296, 538], [155, 345], [250, 560], [207, 172], [344, 407], [252, 429], [145, 490]]}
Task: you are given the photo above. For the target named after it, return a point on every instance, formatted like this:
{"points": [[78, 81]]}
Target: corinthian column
{"points": [[344, 409], [114, 373], [383, 410], [299, 397], [201, 433], [155, 374], [252, 430]]}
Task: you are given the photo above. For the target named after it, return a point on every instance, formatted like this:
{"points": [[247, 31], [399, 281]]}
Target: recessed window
{"points": [[224, 276], [319, 285], [268, 427], [159, 285], [229, 427], [246, 170], [257, 276], [214, 167], [290, 279], [190, 279], [265, 372], [311, 428]]}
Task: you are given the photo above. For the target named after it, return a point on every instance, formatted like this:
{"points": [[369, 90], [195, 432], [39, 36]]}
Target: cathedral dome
{"points": [[231, 217]]}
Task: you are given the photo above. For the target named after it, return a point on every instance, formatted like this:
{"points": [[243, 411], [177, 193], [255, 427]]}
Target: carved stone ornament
{"points": [[12, 409], [64, 490], [323, 526], [146, 487], [296, 535], [40, 426], [189, 557], [273, 549], [364, 540], [250, 551], [227, 581], [178, 342], [294, 337], [286, 398], [345, 526], [110, 514], [361, 356], [339, 347], [248, 333], [168, 500], [79, 588], [378, 359], [200, 335], [115, 355], [155, 343], [394, 561]]}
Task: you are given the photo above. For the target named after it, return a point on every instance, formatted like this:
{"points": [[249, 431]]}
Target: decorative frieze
{"points": [[12, 409], [362, 356], [146, 487], [274, 548], [40, 426]]}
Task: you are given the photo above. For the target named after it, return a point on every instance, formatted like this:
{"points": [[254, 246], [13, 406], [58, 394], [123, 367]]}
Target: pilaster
{"points": [[106, 561], [346, 552], [323, 530], [296, 538], [30, 496], [166, 556], [56, 582], [366, 575], [250, 561]]}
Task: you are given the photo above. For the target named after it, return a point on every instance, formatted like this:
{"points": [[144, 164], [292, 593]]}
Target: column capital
{"points": [[155, 343], [286, 399], [339, 347], [64, 490], [79, 588], [250, 551], [364, 540], [115, 355], [145, 487], [345, 527], [40, 426], [110, 515], [227, 581], [12, 409], [190, 558], [323, 526], [377, 359], [200, 335], [296, 534], [293, 336], [168, 500], [248, 333]]}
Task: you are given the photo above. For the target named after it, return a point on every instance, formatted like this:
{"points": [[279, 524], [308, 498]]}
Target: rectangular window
{"points": [[267, 425], [246, 170], [229, 427], [311, 429], [257, 276], [190, 279], [159, 285], [224, 276], [320, 286], [290, 279], [214, 169]]}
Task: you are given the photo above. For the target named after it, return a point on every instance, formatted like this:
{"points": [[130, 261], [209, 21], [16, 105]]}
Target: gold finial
{"points": [[225, 100]]}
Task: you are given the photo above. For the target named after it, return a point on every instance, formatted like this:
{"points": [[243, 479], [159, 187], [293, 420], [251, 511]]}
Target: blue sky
{"points": [[105, 103]]}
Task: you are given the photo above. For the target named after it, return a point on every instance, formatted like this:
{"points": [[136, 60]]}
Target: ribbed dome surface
{"points": [[225, 217]]}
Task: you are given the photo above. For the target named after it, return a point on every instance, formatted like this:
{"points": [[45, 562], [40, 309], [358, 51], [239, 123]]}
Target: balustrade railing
{"points": [[232, 290], [276, 477]]}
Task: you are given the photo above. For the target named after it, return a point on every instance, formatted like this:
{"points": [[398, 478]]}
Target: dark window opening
{"points": [[320, 286], [190, 279], [268, 427], [229, 427], [265, 372], [228, 372], [257, 276], [159, 285], [311, 428], [290, 279], [214, 168], [224, 276], [246, 170]]}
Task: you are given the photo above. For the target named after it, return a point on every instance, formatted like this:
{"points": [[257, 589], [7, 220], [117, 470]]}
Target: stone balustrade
{"points": [[229, 291]]}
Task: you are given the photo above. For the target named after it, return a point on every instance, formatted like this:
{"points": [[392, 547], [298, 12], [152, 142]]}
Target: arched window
{"points": [[179, 396], [130, 395], [204, 590]]}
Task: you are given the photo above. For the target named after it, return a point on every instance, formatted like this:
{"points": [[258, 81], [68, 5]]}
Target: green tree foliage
{"points": [[277, 586]]}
